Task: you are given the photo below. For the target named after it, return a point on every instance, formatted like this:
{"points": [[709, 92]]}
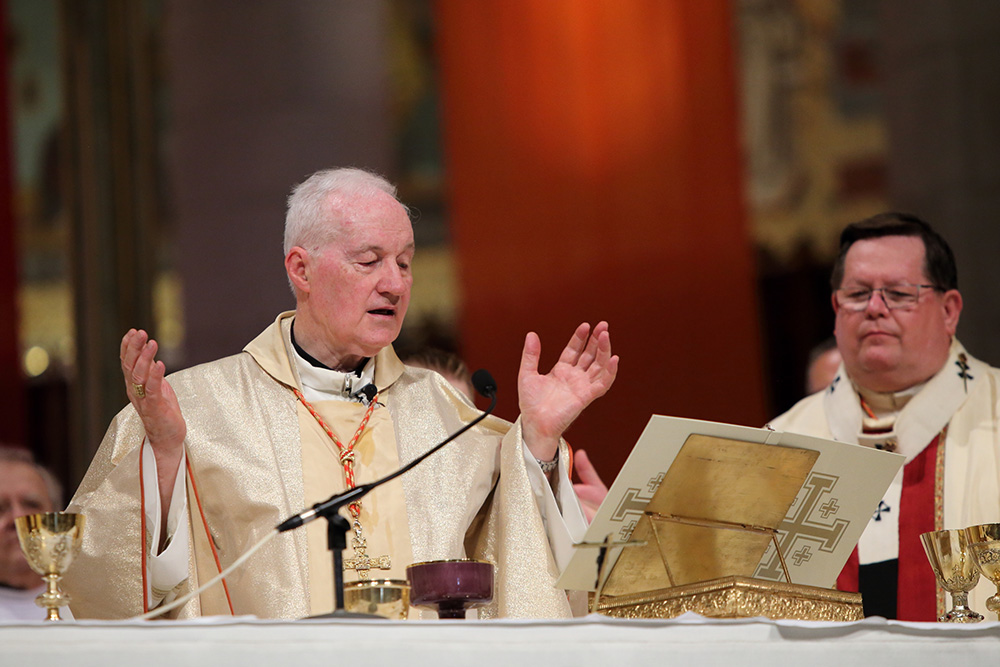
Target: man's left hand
{"points": [[549, 403], [591, 489]]}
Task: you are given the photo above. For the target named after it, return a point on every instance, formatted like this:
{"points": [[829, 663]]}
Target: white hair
{"points": [[318, 205], [11, 454]]}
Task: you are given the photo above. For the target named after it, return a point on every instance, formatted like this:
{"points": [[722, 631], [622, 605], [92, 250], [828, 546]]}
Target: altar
{"points": [[593, 640]]}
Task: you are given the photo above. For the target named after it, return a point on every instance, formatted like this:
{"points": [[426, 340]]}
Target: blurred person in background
{"points": [[25, 488], [824, 363]]}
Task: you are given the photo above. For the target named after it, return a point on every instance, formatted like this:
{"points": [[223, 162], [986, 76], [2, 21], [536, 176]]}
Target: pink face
{"points": [[892, 350], [354, 291], [22, 491], [822, 371]]}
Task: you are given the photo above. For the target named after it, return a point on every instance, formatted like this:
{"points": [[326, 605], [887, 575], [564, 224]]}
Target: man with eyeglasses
{"points": [[907, 385]]}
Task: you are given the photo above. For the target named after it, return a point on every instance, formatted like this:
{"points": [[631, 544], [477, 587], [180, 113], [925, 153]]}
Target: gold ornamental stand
{"points": [[705, 531]]}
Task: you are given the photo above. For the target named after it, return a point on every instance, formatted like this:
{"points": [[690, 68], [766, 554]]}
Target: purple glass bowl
{"points": [[450, 586]]}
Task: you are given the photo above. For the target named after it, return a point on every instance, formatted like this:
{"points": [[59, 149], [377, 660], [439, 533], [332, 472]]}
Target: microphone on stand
{"points": [[482, 381]]}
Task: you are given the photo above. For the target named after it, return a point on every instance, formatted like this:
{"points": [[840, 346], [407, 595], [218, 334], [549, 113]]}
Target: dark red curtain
{"points": [[595, 172], [12, 421]]}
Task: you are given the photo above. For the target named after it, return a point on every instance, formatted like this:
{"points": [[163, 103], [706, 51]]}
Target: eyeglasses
{"points": [[895, 297]]}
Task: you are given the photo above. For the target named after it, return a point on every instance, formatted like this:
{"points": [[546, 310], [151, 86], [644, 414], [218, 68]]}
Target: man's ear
{"points": [[952, 305], [297, 267]]}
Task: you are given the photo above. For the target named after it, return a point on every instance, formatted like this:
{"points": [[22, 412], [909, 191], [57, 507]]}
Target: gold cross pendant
{"points": [[362, 563]]}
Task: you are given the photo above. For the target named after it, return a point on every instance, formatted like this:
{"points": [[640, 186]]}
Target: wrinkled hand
{"points": [[591, 489], [158, 407], [549, 403]]}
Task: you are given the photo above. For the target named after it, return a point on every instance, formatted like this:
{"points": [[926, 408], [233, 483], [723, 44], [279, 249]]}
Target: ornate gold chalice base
{"points": [[955, 569], [49, 541], [984, 543], [389, 598]]}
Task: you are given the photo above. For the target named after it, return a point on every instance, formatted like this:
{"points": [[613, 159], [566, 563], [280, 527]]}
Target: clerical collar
{"points": [[322, 383], [313, 361], [881, 409], [925, 413], [888, 403]]}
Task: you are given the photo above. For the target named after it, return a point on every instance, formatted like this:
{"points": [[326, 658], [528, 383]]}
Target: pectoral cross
{"points": [[963, 370], [362, 563]]}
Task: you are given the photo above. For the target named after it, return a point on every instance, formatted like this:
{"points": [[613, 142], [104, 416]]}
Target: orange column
{"points": [[595, 173]]}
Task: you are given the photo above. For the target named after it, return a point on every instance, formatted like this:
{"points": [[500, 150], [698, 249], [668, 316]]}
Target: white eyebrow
{"points": [[381, 249]]}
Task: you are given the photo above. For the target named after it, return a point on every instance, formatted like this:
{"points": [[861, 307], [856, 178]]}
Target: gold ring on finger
{"points": [[140, 390]]}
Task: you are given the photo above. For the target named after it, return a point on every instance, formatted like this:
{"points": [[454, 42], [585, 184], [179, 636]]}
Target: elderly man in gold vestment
{"points": [[204, 463]]}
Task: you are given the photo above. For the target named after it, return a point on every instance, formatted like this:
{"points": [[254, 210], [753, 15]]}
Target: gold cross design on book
{"points": [[362, 563]]}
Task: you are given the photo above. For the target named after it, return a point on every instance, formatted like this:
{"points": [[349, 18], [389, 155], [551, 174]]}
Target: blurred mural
{"points": [[46, 326], [89, 201], [813, 124], [816, 159], [415, 94], [46, 331]]}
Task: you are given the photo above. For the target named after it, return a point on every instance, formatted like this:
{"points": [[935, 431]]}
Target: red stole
{"points": [[917, 594]]}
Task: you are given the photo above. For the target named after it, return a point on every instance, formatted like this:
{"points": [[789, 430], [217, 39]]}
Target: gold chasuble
{"points": [[256, 455]]}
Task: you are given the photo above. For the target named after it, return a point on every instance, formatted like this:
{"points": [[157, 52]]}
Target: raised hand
{"points": [[153, 398], [149, 393], [549, 403]]}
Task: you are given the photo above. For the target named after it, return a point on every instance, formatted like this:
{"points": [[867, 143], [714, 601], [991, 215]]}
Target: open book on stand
{"points": [[730, 521]]}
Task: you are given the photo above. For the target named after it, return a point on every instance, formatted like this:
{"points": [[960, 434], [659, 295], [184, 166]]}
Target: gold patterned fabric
{"points": [[245, 446]]}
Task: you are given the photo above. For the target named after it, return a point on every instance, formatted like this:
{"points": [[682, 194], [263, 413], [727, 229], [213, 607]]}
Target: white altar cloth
{"points": [[594, 640]]}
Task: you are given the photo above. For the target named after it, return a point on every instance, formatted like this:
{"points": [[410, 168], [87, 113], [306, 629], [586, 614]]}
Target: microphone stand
{"points": [[338, 526]]}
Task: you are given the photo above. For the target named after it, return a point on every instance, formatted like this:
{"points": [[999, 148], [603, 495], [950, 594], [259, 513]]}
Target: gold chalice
{"points": [[984, 542], [49, 541], [389, 598], [956, 571]]}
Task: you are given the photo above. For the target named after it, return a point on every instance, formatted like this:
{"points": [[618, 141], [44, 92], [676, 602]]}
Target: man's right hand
{"points": [[157, 407], [155, 401]]}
